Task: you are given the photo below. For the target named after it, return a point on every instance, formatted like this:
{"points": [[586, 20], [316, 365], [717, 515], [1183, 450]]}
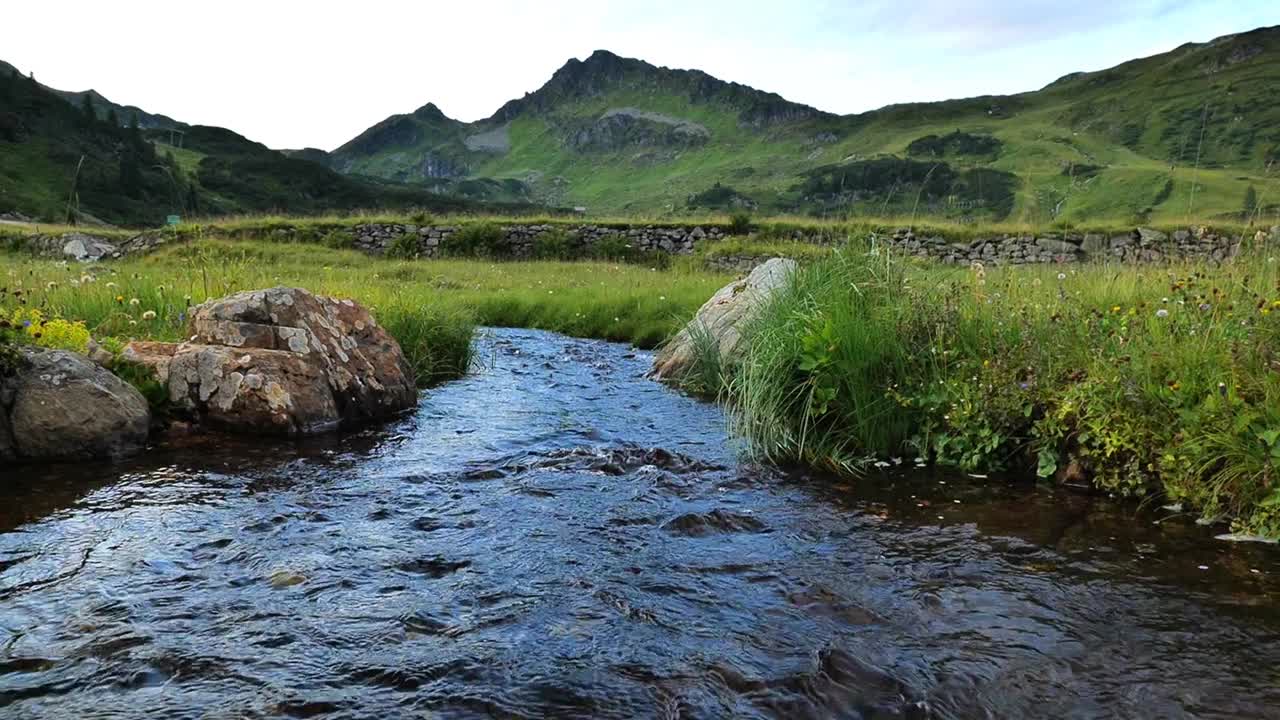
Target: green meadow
{"points": [[1156, 382]]}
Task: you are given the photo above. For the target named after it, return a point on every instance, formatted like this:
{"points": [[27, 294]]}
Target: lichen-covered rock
{"points": [[254, 390], [61, 406], [282, 361], [723, 318]]}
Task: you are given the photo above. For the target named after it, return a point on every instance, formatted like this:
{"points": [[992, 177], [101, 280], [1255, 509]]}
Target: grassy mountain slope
{"points": [[131, 176], [1180, 135]]}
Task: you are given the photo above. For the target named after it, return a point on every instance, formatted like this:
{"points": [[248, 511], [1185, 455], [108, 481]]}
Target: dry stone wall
{"points": [[520, 240], [1141, 245]]}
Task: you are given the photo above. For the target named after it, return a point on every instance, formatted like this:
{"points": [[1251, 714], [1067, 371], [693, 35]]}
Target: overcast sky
{"points": [[316, 73]]}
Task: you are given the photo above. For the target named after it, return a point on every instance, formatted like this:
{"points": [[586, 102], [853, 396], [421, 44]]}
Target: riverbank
{"points": [[1157, 382]]}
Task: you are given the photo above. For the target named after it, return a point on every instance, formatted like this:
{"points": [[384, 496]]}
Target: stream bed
{"points": [[556, 536]]}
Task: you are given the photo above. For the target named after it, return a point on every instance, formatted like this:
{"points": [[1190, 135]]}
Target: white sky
{"points": [[294, 73]]}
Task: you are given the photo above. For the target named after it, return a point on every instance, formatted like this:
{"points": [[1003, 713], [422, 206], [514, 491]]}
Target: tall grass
{"points": [[1156, 379]]}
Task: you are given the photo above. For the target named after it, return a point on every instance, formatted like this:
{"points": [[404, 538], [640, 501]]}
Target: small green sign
{"points": [[172, 220]]}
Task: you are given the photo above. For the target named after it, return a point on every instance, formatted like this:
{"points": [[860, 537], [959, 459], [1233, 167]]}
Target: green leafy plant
{"points": [[404, 247], [554, 244], [481, 239]]}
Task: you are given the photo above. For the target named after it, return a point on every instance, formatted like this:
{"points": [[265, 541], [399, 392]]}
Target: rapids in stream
{"points": [[556, 536]]}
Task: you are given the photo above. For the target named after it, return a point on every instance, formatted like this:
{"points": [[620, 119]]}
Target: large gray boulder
{"points": [[86, 248], [282, 361], [723, 319], [61, 406]]}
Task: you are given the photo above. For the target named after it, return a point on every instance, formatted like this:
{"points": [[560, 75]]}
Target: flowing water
{"points": [[556, 536]]}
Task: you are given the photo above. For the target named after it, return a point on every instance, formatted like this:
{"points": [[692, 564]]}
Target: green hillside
{"points": [[65, 162], [124, 114], [1181, 135]]}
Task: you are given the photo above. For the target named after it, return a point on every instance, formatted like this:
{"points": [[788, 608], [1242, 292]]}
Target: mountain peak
{"points": [[430, 112], [604, 71]]}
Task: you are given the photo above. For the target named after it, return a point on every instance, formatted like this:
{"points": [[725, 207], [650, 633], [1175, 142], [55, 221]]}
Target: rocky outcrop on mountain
{"points": [[629, 128], [59, 405], [723, 320], [284, 362]]}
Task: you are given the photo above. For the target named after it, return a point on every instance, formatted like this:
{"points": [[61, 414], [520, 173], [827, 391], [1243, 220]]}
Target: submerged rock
{"points": [[722, 319], [282, 361], [61, 406]]}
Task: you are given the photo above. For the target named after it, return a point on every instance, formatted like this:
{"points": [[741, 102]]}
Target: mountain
{"points": [[59, 161], [104, 107], [1181, 134]]}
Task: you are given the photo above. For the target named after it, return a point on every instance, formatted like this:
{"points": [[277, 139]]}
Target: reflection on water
{"points": [[556, 536]]}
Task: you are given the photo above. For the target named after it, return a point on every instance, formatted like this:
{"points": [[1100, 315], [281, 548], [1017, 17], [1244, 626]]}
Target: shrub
{"points": [[422, 217], [554, 244], [404, 247], [740, 224], [337, 239], [483, 240], [613, 247]]}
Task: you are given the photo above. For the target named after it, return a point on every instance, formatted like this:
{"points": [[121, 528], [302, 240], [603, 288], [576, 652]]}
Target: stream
{"points": [[557, 536]]}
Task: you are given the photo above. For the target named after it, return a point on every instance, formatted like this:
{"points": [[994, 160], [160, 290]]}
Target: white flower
{"points": [[1162, 313], [149, 315], [135, 302], [1062, 276]]}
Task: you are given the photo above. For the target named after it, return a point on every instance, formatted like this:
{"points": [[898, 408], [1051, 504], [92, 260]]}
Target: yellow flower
{"points": [[119, 299], [1115, 308]]}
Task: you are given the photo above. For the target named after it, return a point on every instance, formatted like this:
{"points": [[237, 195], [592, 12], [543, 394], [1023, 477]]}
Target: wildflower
{"points": [[1115, 309], [135, 302], [1275, 303], [1062, 276], [110, 285], [149, 315], [51, 286], [1204, 307], [1162, 313], [133, 322], [86, 279], [119, 299]]}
